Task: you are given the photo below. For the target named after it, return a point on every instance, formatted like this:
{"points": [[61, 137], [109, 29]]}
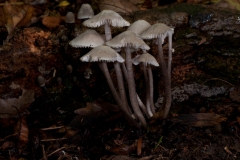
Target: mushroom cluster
{"points": [[104, 50]]}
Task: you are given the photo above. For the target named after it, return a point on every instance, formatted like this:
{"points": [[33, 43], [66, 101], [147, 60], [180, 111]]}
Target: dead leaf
{"points": [[8, 17], [12, 106], [235, 94], [17, 18], [7, 145], [51, 22], [89, 109], [28, 16], [121, 149], [122, 6], [2, 18], [199, 119], [97, 106], [63, 4], [22, 131]]}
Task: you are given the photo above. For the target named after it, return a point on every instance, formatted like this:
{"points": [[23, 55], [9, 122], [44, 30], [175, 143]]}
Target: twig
{"points": [[59, 149], [51, 128], [48, 140], [44, 153], [212, 79]]}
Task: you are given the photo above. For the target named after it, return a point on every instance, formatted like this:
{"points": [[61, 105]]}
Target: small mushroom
{"points": [[107, 18], [85, 11], [139, 26], [147, 60], [69, 69], [102, 55], [87, 73], [70, 18], [160, 31], [41, 82], [129, 39]]}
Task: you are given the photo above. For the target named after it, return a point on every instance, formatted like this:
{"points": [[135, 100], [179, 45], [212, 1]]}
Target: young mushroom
{"points": [[160, 31], [102, 55], [69, 69], [41, 82], [70, 18], [129, 39], [147, 60], [85, 11], [107, 18], [87, 73], [139, 26]]}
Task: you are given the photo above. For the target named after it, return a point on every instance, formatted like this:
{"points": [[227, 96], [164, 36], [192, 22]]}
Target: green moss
{"points": [[184, 7]]}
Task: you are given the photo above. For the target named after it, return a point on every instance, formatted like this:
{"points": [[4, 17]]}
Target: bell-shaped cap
{"points": [[146, 59], [128, 39], [89, 38], [85, 11], [106, 16], [41, 81], [156, 31], [139, 26], [70, 18], [102, 53]]}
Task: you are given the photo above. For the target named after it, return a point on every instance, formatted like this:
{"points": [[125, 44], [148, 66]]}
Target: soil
{"points": [[200, 126]]}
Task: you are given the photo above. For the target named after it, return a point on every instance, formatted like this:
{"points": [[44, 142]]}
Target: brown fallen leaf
{"points": [[199, 119], [17, 18], [95, 111], [7, 145], [122, 6], [121, 149], [12, 106], [97, 106], [28, 16], [51, 22], [235, 94], [8, 17], [22, 131]]}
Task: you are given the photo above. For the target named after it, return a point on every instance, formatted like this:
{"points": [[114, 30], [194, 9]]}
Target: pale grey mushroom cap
{"points": [[102, 53], [156, 31], [145, 58], [106, 16], [127, 39], [89, 38], [85, 11], [139, 26], [70, 18]]}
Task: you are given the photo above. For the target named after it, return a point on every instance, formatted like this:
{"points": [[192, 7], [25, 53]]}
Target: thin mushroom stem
{"points": [[151, 88], [132, 89], [167, 83], [104, 68], [170, 34], [148, 106], [141, 105], [121, 87], [108, 33]]}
